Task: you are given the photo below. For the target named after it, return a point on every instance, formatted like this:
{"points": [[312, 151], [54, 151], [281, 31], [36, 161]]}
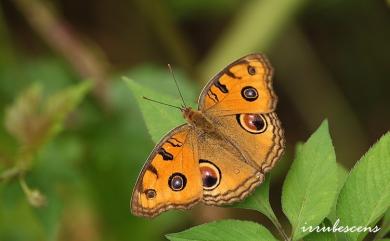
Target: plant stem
{"points": [[279, 227], [24, 185], [56, 32], [10, 173]]}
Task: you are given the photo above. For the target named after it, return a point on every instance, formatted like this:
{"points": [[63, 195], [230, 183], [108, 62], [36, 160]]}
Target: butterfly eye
{"points": [[251, 70], [211, 175], [177, 181], [150, 193], [249, 93], [253, 123]]}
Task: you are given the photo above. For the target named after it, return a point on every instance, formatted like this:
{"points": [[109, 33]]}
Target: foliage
{"points": [[321, 236], [365, 196], [311, 182], [171, 116], [33, 120], [70, 170], [225, 230]]}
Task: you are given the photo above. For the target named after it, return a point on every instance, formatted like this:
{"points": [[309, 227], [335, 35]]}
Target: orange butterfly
{"points": [[223, 151]]}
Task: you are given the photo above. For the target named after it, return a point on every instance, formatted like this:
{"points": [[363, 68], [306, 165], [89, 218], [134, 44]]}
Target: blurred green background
{"points": [[331, 60]]}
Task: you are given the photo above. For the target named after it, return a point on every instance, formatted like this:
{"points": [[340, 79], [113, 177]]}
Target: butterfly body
{"points": [[221, 154], [198, 120]]}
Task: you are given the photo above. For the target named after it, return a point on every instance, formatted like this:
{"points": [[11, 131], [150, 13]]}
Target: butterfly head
{"points": [[188, 113]]}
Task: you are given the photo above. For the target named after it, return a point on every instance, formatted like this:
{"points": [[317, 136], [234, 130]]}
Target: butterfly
{"points": [[223, 151]]}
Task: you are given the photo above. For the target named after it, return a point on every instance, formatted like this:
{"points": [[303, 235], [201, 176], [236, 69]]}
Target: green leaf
{"points": [[310, 187], [33, 120], [342, 174], [154, 113], [59, 105], [23, 118], [161, 81], [156, 83], [320, 235], [259, 200], [365, 196], [225, 230]]}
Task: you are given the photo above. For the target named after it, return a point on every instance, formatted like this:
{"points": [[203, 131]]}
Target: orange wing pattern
{"points": [[170, 177], [226, 177], [259, 137], [245, 86]]}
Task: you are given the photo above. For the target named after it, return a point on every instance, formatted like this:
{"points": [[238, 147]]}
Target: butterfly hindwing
{"points": [[259, 137], [226, 177], [170, 177]]}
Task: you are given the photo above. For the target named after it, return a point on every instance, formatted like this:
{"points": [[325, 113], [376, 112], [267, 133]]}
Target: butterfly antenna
{"points": [[162, 103], [177, 86]]}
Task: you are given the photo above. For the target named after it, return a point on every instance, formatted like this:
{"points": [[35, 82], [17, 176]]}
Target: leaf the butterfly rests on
{"points": [[153, 113]]}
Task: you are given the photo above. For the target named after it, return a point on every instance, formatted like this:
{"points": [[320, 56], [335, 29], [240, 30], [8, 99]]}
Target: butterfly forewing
{"points": [[171, 177], [244, 86]]}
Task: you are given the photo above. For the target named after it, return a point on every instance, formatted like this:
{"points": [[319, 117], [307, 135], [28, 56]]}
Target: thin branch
{"points": [[34, 196], [21, 166], [56, 32], [279, 227], [11, 173]]}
